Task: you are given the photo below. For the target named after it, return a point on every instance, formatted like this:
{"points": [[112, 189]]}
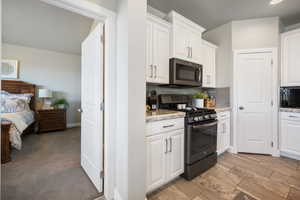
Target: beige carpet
{"points": [[48, 168]]}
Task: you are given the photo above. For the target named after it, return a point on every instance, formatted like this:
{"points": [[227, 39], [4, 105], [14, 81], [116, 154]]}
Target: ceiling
{"points": [[36, 24], [213, 13]]}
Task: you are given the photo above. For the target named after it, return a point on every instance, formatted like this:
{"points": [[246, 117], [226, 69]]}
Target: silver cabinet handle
{"points": [[171, 144], [155, 67], [166, 151], [169, 126], [80, 110], [191, 52], [292, 116]]}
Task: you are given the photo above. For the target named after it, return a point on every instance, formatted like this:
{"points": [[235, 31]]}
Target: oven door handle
{"points": [[205, 125]]}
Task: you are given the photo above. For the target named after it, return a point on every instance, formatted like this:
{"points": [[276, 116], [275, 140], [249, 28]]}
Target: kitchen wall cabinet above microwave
{"points": [[158, 50], [186, 38], [290, 58]]}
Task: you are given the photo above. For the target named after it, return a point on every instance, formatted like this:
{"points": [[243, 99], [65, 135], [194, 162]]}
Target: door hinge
{"points": [[272, 144], [102, 174], [102, 106]]}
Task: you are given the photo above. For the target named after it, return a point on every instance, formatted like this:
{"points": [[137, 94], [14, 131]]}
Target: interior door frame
{"points": [[275, 96], [108, 18]]}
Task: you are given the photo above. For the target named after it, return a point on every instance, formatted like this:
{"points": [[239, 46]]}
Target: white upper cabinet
{"points": [[186, 38], [209, 64], [290, 66], [158, 50]]}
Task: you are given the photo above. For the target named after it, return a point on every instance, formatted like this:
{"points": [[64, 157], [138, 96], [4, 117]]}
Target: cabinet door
{"points": [[180, 41], [291, 59], [227, 134], [176, 154], [156, 161], [209, 66], [220, 137], [149, 49], [290, 136], [161, 50], [195, 43]]}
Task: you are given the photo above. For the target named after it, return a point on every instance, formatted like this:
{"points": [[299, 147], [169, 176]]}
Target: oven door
{"points": [[201, 141], [185, 73]]}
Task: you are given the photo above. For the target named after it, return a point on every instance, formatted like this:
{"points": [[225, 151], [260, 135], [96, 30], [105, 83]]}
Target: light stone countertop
{"points": [[163, 115], [222, 109], [293, 110]]}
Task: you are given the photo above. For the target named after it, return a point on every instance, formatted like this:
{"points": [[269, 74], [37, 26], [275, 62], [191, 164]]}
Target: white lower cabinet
{"points": [[223, 139], [165, 157], [290, 134]]}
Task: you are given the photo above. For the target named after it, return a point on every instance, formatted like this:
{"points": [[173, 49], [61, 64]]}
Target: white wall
{"points": [[292, 27], [255, 33], [131, 92], [59, 72]]}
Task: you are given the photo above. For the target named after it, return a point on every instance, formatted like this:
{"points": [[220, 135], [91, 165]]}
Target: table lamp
{"points": [[46, 95]]}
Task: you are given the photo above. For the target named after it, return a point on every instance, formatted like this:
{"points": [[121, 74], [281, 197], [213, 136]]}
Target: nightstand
{"points": [[51, 120]]}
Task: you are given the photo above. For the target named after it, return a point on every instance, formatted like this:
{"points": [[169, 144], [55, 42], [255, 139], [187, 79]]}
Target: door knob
{"points": [[80, 110], [241, 108]]}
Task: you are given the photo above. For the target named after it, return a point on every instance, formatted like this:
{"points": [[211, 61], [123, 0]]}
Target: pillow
{"points": [[13, 105], [26, 97]]}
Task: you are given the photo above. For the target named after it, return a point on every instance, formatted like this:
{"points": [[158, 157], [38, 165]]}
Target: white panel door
{"points": [[176, 154], [291, 59], [149, 58], [156, 161], [290, 136], [91, 99], [161, 53], [254, 92]]}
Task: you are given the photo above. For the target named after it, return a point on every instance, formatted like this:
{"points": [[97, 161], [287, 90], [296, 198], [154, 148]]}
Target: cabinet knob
{"points": [[241, 108], [80, 110]]}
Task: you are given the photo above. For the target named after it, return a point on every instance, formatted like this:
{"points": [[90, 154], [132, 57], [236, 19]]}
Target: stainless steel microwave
{"points": [[184, 73]]}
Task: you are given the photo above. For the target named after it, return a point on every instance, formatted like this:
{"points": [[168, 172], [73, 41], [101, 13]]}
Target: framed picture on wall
{"points": [[9, 69]]}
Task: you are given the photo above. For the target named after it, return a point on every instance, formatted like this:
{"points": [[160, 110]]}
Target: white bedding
{"points": [[20, 121]]}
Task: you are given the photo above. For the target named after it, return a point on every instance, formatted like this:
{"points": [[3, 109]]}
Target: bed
{"points": [[15, 125]]}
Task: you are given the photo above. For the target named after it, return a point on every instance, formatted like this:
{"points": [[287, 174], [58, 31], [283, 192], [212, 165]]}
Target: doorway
{"points": [[59, 146], [255, 99]]}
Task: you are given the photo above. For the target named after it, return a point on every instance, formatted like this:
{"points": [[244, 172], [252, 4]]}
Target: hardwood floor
{"points": [[239, 177]]}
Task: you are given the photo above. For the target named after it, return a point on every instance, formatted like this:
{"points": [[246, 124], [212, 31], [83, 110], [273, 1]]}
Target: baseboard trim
{"points": [[290, 155], [231, 149], [73, 125]]}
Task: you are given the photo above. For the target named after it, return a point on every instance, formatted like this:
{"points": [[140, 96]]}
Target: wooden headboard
{"points": [[19, 87]]}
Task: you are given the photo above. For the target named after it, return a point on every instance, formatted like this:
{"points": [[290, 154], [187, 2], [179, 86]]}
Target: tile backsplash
{"points": [[222, 95]]}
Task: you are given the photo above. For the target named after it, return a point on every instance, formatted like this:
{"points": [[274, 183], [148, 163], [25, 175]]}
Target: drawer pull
{"points": [[168, 126], [292, 116]]}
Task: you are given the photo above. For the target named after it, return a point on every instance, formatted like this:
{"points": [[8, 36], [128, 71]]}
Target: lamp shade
{"points": [[45, 93]]}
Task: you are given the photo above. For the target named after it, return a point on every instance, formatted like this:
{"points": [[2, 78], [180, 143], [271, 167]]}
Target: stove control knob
{"points": [[196, 119], [213, 116], [200, 118]]}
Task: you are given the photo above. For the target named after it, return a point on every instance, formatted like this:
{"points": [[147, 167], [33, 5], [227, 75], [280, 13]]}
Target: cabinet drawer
{"points": [[223, 115], [290, 116], [154, 128]]}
